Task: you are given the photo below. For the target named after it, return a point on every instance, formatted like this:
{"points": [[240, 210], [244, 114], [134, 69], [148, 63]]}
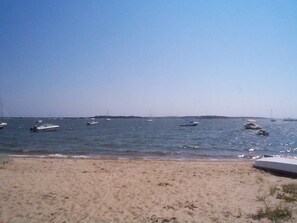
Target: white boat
{"points": [[44, 128], [189, 123], [252, 124], [277, 164], [38, 121], [92, 123], [2, 125]]}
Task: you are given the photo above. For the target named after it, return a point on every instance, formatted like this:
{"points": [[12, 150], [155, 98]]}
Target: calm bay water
{"points": [[162, 138]]}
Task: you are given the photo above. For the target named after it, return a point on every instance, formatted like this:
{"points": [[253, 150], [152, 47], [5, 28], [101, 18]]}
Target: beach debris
{"points": [[156, 219], [164, 184], [190, 205], [169, 207]]}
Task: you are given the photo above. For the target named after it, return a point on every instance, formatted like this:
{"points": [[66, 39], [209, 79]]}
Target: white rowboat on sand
{"points": [[278, 164]]}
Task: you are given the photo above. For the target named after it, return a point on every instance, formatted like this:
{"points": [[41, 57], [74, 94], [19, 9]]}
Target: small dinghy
{"points": [[278, 164], [262, 132]]}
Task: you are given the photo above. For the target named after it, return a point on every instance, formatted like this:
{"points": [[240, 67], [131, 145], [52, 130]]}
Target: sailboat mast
{"points": [[271, 116], [1, 107]]}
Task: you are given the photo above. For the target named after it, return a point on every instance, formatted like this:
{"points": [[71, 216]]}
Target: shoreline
{"points": [[100, 190], [86, 157]]}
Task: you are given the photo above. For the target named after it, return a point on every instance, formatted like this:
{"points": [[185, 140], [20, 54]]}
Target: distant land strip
{"points": [[140, 117]]}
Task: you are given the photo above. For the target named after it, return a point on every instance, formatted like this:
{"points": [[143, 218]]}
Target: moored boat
{"points": [[252, 124], [290, 119], [92, 123], [189, 123], [45, 128], [262, 132], [2, 125]]}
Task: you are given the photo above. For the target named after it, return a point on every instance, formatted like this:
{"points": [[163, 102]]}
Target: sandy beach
{"points": [[86, 190]]}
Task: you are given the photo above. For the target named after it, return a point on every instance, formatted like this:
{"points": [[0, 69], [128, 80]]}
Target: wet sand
{"points": [[86, 190]]}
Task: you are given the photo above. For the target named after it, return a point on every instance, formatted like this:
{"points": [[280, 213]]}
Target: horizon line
{"points": [[137, 116]]}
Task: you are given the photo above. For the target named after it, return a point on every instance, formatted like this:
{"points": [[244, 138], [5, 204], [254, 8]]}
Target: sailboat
{"points": [[271, 119], [150, 118], [2, 124], [107, 117]]}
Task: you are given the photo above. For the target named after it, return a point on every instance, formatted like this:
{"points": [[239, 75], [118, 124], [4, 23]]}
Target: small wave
{"points": [[81, 157], [189, 147], [57, 156], [249, 156], [290, 150]]}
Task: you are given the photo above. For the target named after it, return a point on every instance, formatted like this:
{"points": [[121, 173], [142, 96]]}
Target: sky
{"points": [[148, 58]]}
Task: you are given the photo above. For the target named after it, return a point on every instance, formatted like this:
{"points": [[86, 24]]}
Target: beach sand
{"points": [[87, 190]]}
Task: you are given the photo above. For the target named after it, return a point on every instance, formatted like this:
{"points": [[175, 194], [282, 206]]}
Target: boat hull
{"points": [[262, 132], [2, 125], [278, 164], [191, 124], [92, 123], [45, 128], [252, 127]]}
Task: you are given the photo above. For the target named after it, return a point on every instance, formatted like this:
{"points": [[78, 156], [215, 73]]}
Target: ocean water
{"points": [[162, 138]]}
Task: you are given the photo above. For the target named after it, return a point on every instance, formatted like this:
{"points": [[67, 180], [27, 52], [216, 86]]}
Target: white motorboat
{"points": [[2, 125], [277, 164], [38, 121], [189, 123], [44, 128], [92, 123], [252, 124]]}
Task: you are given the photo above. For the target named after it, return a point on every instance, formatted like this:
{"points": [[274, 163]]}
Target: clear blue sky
{"points": [[84, 58]]}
